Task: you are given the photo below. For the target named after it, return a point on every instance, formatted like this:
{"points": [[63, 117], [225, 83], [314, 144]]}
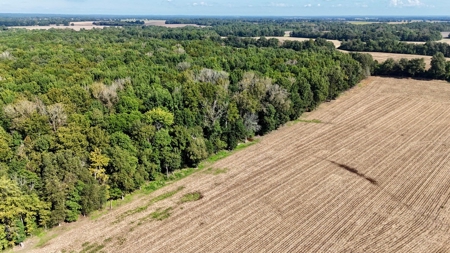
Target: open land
{"points": [[77, 26], [445, 39], [88, 25], [367, 172], [163, 23], [336, 43], [381, 57]]}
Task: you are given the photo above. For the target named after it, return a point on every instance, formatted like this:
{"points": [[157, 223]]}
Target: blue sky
{"points": [[230, 7]]}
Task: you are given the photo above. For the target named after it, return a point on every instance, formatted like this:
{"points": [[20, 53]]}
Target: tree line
{"points": [[439, 69], [321, 28], [415, 31], [393, 46]]}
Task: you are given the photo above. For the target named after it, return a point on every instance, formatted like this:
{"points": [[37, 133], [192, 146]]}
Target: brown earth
{"points": [[373, 176], [163, 23], [77, 26], [89, 25], [381, 57], [336, 43]]}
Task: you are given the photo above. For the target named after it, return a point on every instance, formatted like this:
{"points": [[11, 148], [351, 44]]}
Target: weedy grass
{"points": [[44, 237], [224, 153], [162, 181], [161, 214], [216, 171], [151, 202], [317, 121], [189, 197], [91, 248]]}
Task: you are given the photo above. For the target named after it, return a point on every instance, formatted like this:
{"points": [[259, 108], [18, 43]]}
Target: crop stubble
{"points": [[288, 193]]}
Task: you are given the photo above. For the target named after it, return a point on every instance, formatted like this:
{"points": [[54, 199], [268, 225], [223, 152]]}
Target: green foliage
{"points": [[216, 171], [91, 248], [151, 202], [416, 31], [403, 67], [161, 214], [19, 213], [309, 121], [193, 196], [393, 46], [438, 66], [5, 143], [73, 207], [159, 117], [98, 164]]}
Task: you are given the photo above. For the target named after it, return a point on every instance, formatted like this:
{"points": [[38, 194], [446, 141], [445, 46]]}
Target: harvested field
{"points": [[77, 26], [163, 23], [336, 43], [381, 57], [368, 172]]}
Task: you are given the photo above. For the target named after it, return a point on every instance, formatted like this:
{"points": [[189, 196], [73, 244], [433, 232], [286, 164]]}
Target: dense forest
{"points": [[93, 115], [320, 28], [393, 46], [415, 31]]}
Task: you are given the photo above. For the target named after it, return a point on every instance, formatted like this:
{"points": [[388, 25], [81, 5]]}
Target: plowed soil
{"points": [[77, 26], [373, 176]]}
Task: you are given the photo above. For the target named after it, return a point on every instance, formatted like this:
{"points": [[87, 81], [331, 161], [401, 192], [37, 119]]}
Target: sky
{"points": [[231, 7]]}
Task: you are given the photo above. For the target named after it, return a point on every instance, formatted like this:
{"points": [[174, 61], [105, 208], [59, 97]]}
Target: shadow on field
{"points": [[355, 171]]}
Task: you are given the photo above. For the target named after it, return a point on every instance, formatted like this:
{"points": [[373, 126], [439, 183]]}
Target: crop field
{"points": [[336, 43], [368, 172], [163, 23], [77, 26], [88, 25], [381, 57]]}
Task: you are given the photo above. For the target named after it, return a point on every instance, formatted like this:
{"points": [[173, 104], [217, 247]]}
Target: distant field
{"points": [[163, 23], [381, 57], [362, 22], [76, 26], [89, 25], [336, 43], [445, 39], [368, 172]]}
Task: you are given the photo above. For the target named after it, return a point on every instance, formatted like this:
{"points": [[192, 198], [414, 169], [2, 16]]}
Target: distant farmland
{"points": [[163, 23], [88, 25], [368, 172], [381, 57]]}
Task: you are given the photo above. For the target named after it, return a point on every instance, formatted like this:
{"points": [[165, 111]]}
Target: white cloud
{"points": [[401, 3], [280, 4], [201, 4]]}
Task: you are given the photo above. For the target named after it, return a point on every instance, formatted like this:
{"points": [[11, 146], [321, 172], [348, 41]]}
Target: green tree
{"points": [[5, 143], [438, 64], [98, 165], [159, 117], [20, 214]]}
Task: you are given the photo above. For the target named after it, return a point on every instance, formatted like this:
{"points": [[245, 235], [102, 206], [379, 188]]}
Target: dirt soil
{"points": [[381, 57], [163, 23], [372, 176], [77, 26]]}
